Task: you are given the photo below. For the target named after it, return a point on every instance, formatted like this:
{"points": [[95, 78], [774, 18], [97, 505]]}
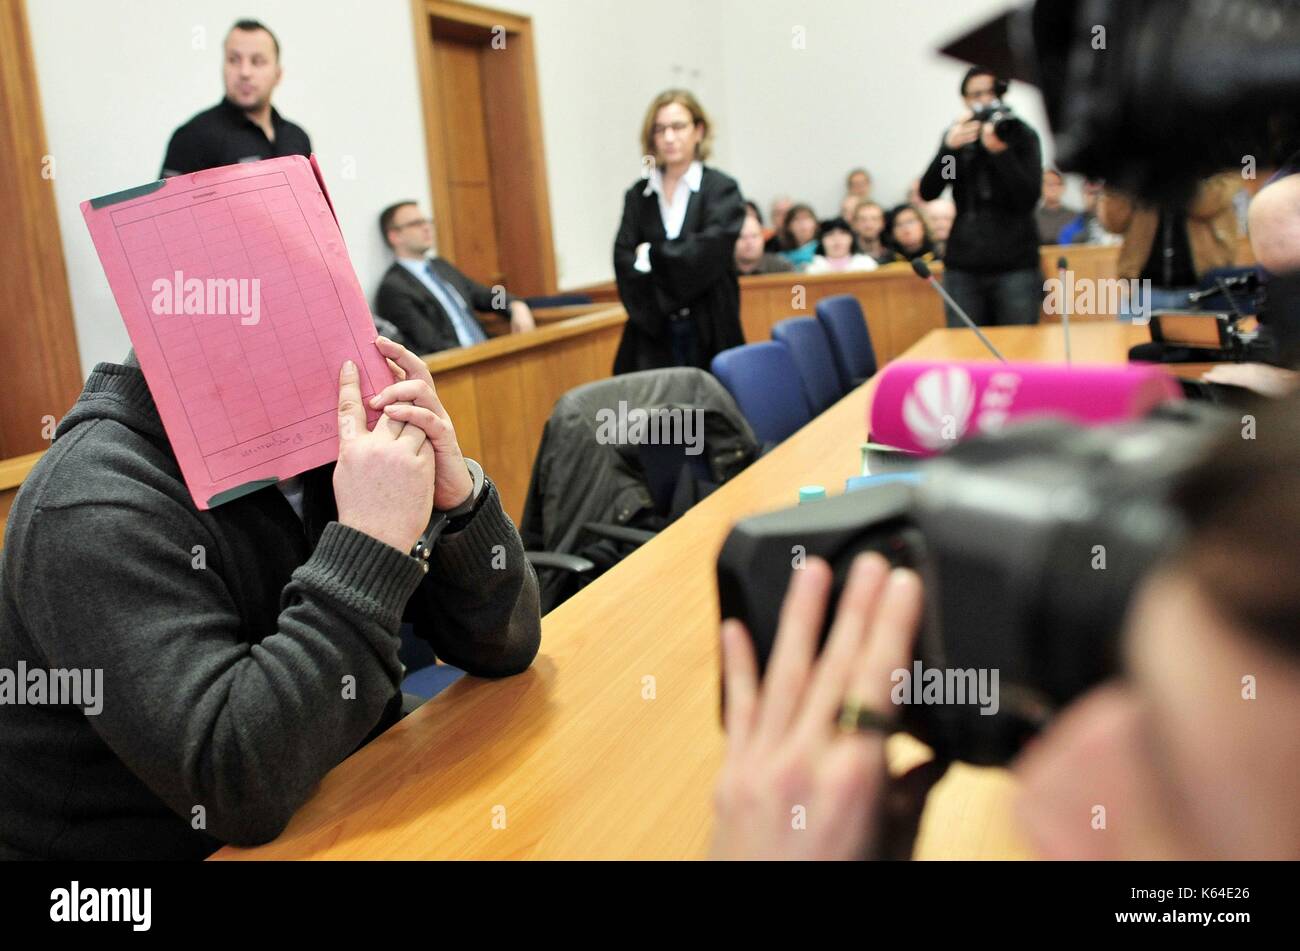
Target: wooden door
{"points": [[487, 171], [472, 216]]}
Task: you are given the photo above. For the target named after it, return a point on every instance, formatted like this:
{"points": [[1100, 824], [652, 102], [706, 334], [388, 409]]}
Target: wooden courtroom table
{"points": [[583, 756]]}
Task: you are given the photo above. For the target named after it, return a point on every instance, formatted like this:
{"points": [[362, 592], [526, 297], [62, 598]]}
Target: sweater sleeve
{"points": [[203, 713], [480, 608]]}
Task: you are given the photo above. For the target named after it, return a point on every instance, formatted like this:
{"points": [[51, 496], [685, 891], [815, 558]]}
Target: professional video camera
{"points": [[1006, 530], [1029, 544]]}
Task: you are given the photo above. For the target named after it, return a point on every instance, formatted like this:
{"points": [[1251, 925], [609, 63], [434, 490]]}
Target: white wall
{"points": [[865, 89], [599, 63], [117, 76]]}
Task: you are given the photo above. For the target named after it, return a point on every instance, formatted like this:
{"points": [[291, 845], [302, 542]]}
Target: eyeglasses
{"points": [[678, 128], [414, 223]]}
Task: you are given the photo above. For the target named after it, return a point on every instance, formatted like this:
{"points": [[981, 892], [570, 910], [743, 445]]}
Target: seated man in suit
{"points": [[428, 300]]}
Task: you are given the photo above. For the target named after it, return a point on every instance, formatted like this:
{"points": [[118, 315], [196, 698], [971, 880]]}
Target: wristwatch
{"points": [[445, 523]]}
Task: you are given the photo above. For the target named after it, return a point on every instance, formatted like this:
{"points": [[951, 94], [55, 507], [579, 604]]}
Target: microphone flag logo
{"points": [[939, 406]]}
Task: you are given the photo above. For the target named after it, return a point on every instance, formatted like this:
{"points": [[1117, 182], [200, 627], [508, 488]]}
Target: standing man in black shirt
{"points": [[991, 263], [243, 127]]}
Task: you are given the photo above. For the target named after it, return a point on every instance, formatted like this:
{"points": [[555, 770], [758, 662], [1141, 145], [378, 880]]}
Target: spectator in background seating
{"points": [[781, 206], [939, 215], [1052, 215], [674, 254], [750, 256], [859, 184], [869, 226], [836, 253], [799, 236], [431, 302], [848, 205], [751, 207], [907, 235]]}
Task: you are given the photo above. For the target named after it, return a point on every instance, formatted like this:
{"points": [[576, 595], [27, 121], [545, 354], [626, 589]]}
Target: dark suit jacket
{"points": [[407, 304], [693, 274]]}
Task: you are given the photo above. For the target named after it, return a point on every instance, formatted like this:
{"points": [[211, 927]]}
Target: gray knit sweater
{"points": [[243, 652]]}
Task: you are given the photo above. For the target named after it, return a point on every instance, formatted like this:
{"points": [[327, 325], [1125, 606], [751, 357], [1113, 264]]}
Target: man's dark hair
{"points": [[386, 218], [1242, 507], [753, 210], [977, 71], [248, 26]]}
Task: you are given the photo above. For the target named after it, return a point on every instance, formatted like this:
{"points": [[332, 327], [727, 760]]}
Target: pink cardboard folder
{"points": [[242, 305]]}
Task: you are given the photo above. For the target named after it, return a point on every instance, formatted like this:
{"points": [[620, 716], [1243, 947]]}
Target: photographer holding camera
{"points": [[1189, 758], [994, 162]]}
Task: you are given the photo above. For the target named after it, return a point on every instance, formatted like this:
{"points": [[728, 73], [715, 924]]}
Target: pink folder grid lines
{"points": [[244, 403]]}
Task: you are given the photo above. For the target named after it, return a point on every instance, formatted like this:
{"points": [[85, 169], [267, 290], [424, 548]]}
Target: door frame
{"points": [[518, 30]]}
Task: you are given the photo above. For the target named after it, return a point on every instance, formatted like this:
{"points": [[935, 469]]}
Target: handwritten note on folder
{"points": [[242, 305]]}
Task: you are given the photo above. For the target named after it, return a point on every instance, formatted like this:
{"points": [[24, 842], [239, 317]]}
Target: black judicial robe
{"points": [[693, 275]]}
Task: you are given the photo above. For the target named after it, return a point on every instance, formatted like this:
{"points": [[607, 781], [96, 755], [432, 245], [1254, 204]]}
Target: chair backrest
{"points": [[764, 381], [811, 351], [850, 340]]}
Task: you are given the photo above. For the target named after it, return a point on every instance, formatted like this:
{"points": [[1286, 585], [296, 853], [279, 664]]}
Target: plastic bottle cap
{"points": [[811, 493]]}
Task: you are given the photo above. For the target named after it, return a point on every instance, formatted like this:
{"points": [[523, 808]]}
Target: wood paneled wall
{"points": [[38, 341]]}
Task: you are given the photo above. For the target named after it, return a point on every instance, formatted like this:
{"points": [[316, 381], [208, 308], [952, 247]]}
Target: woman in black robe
{"points": [[674, 257]]}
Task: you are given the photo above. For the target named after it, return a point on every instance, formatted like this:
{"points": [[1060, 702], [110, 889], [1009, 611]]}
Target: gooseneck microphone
{"points": [[923, 272], [1062, 266]]}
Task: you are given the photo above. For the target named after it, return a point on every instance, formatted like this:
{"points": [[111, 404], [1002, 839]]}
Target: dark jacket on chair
{"points": [[579, 477], [693, 275], [406, 303]]}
